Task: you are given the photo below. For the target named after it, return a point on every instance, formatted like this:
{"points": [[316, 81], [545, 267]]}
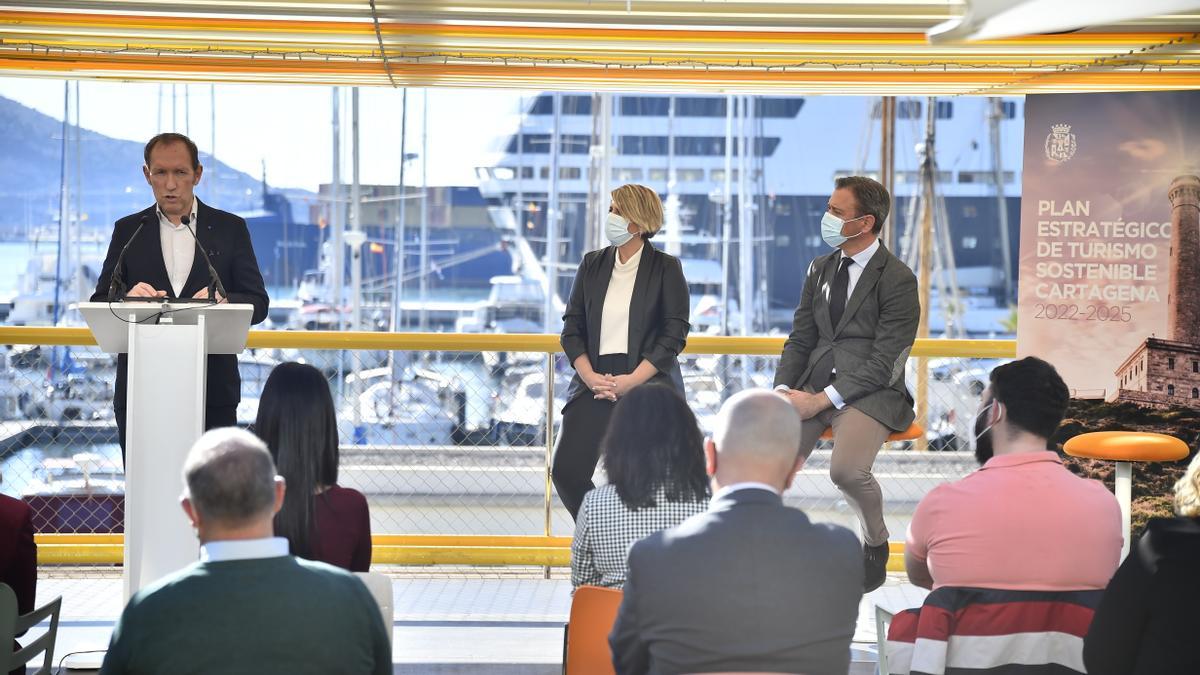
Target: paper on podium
{"points": [[226, 324]]}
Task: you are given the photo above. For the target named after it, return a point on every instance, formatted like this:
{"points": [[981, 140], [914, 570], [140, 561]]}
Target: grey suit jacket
{"points": [[870, 344], [749, 585]]}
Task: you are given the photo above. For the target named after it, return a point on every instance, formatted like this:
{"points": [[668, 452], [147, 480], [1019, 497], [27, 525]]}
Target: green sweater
{"points": [[267, 615]]}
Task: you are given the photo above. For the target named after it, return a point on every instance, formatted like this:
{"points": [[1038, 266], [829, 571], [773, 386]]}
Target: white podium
{"points": [[168, 344]]}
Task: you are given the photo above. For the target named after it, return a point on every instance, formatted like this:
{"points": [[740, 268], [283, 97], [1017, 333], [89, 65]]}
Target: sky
{"points": [[288, 126]]}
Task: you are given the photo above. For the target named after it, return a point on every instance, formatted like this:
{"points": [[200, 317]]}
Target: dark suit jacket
{"points": [[869, 346], [227, 241], [18, 552], [1144, 624], [749, 585], [658, 314]]}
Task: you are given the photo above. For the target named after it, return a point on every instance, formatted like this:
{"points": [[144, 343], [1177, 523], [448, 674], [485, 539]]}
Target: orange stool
{"points": [[912, 433], [1126, 447]]}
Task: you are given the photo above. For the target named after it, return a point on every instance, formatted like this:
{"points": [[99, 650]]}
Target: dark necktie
{"points": [[841, 287]]}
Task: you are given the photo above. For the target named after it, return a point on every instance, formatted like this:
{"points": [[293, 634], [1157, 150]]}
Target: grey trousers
{"points": [[857, 438]]}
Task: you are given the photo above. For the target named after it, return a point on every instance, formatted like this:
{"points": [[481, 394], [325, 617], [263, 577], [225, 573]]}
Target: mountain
{"points": [[110, 176]]}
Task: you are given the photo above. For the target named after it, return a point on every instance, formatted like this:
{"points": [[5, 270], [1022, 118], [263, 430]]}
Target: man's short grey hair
{"points": [[229, 476], [759, 425]]}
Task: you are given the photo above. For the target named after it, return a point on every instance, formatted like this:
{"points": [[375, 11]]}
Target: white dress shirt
{"points": [[614, 317], [858, 263], [178, 248], [244, 549]]}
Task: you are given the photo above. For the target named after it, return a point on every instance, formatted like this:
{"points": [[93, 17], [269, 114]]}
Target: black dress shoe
{"points": [[875, 560]]}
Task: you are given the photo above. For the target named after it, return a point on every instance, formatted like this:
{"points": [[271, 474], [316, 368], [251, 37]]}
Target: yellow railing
{"points": [[541, 551], [476, 342]]}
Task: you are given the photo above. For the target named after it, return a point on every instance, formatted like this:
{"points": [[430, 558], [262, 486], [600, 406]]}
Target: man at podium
{"points": [[167, 250]]}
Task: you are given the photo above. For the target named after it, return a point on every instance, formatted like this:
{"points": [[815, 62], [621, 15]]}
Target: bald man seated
{"points": [[750, 585]]}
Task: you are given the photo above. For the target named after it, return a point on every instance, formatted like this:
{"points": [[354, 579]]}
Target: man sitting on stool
{"points": [[247, 606], [843, 364]]}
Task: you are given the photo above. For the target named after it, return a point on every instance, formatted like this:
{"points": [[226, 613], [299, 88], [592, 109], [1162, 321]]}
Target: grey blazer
{"points": [[749, 585], [870, 344]]}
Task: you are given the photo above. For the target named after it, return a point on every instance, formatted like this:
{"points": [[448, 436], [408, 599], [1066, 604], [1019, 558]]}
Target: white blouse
{"points": [[614, 317]]}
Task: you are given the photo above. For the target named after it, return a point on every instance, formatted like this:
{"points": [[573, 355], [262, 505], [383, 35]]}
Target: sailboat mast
{"points": [[552, 222], [336, 215], [925, 259], [75, 239], [727, 214], [356, 226], [424, 277], [64, 204], [397, 322], [995, 112], [887, 164]]}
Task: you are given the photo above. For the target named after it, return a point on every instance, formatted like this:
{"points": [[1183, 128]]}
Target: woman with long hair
{"points": [[625, 324], [320, 519], [654, 458]]}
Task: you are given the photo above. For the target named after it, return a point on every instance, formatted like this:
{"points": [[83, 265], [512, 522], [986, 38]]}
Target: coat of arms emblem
{"points": [[1060, 144]]}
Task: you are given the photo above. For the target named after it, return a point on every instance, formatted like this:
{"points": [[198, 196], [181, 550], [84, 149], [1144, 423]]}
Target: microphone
{"points": [[117, 282], [214, 278]]}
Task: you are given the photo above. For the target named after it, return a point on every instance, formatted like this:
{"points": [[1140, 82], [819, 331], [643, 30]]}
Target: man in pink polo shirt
{"points": [[1022, 521]]}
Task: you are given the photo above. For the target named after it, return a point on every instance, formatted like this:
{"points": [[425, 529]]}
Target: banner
{"points": [[1109, 273]]}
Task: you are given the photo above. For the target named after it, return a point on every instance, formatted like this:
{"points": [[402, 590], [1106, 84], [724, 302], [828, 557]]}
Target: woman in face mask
{"points": [[625, 324]]}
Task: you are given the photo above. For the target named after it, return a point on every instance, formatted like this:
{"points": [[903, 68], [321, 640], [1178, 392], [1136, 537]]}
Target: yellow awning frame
{"points": [[750, 46]]}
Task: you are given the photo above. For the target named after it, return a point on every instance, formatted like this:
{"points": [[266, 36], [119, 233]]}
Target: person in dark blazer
{"points": [[625, 324], [654, 459], [1143, 625], [164, 261], [320, 519], [750, 585], [18, 555], [843, 364]]}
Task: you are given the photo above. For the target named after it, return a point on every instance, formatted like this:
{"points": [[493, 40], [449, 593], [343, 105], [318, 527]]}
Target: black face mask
{"points": [[983, 435]]}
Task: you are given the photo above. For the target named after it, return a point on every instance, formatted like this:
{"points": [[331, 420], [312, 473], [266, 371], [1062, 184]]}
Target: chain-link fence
{"points": [[441, 443]]}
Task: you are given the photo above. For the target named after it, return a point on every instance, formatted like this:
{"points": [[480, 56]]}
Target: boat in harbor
{"points": [[84, 493]]}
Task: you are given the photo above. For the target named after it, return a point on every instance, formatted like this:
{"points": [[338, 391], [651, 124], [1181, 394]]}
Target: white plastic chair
{"points": [[380, 586]]}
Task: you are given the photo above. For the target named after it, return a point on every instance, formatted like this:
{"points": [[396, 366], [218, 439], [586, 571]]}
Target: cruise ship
{"points": [[796, 146]]}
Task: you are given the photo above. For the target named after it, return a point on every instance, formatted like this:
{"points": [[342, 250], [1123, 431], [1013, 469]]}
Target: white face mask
{"points": [[616, 229], [831, 229]]}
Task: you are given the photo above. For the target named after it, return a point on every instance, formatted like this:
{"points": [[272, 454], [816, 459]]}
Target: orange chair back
{"points": [[593, 612]]}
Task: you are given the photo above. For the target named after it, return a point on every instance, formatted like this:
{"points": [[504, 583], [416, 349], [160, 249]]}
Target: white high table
{"points": [[168, 344]]}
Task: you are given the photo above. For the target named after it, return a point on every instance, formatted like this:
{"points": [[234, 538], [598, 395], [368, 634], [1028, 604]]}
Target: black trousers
{"points": [[215, 417], [585, 420]]}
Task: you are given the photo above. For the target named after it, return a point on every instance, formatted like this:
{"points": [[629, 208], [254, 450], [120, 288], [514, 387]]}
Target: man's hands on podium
{"points": [[808, 405], [202, 294], [145, 290]]}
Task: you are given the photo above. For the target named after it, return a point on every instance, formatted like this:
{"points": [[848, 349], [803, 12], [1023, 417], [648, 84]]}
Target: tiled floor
{"points": [[452, 624]]}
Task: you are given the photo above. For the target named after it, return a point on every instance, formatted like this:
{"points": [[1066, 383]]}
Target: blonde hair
{"points": [[1187, 491], [640, 205]]}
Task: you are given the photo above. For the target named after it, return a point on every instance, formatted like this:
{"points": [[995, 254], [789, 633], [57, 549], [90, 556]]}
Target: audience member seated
{"points": [[246, 606], [18, 555], [1144, 623], [654, 457], [1022, 521], [321, 520], [750, 585]]}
